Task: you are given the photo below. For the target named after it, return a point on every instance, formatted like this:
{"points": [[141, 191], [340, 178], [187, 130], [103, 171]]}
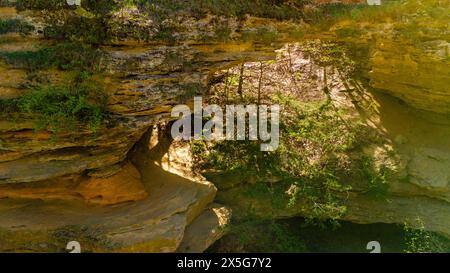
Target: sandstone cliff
{"points": [[121, 185]]}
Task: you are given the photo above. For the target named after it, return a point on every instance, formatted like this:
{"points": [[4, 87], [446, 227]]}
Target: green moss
{"points": [[90, 239]]}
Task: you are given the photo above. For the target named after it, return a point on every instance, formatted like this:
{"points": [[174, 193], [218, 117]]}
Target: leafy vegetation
{"points": [[263, 8], [327, 54], [97, 6], [40, 4], [255, 235], [377, 179], [77, 24], [15, 25], [418, 240], [312, 157], [64, 56], [415, 20], [62, 107], [78, 29]]}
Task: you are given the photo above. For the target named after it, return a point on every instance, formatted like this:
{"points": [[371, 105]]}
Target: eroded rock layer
{"points": [[125, 187]]}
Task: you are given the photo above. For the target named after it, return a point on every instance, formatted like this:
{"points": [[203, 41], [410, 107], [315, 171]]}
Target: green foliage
{"points": [[263, 8], [326, 15], [97, 6], [262, 35], [418, 240], [92, 239], [377, 178], [63, 107], [165, 12], [415, 20], [78, 29], [64, 56], [329, 54], [40, 4], [190, 91], [79, 24], [266, 236], [15, 25], [312, 157]]}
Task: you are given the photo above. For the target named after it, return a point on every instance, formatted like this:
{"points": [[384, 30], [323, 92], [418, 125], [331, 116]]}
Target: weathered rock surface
{"points": [[123, 186], [154, 224], [205, 230], [148, 210], [419, 74], [144, 81]]}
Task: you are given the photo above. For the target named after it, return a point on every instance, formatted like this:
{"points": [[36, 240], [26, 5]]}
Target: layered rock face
{"points": [[142, 82], [409, 51], [126, 187], [65, 176], [394, 64]]}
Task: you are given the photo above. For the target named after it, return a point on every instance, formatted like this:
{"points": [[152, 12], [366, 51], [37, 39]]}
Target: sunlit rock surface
{"points": [[80, 185]]}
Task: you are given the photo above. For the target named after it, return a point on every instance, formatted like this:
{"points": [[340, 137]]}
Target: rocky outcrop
{"points": [[408, 51], [123, 186], [142, 82], [143, 86], [394, 64], [205, 230], [45, 175], [155, 223], [126, 188]]}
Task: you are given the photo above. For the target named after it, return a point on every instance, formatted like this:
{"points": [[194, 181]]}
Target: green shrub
{"points": [[64, 56], [78, 29], [15, 25], [62, 107], [97, 6], [86, 24], [41, 4], [312, 157], [256, 235], [262, 8], [419, 240], [377, 178]]}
